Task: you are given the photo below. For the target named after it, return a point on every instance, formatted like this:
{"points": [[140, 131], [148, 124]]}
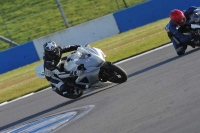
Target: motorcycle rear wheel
{"points": [[75, 96]]}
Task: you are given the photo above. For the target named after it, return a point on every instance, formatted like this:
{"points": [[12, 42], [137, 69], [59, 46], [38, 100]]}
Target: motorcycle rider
{"points": [[180, 22], [54, 67]]}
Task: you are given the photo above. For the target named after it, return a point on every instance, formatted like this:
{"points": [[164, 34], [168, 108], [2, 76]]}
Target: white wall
{"points": [[82, 34]]}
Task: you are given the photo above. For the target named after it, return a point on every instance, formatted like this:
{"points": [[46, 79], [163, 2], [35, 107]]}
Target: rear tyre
{"points": [[77, 92]]}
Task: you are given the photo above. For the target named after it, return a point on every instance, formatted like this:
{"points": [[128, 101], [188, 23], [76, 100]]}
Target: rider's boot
{"points": [[193, 45], [180, 50]]}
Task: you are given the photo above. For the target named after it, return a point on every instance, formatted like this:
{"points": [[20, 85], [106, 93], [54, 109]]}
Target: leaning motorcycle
{"points": [[95, 69], [194, 27]]}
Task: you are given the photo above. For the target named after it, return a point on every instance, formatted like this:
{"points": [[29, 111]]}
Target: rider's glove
{"points": [[74, 47]]}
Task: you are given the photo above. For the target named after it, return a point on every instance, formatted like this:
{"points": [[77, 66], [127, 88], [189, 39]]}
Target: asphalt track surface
{"points": [[161, 95]]}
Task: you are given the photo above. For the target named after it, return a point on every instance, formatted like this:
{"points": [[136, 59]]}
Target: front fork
{"points": [[104, 72]]}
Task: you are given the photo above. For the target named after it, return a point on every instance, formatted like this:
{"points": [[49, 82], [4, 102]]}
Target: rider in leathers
{"points": [[180, 22], [54, 67]]}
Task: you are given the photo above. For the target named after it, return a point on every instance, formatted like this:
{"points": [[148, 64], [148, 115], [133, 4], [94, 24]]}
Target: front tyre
{"points": [[118, 75]]}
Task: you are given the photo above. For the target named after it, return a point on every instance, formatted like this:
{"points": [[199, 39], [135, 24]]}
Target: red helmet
{"points": [[177, 17]]}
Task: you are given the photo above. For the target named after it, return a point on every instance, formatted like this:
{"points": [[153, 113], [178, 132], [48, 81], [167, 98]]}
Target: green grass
{"points": [[22, 81], [26, 20]]}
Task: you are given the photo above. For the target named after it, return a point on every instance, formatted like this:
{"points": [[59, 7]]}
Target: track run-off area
{"points": [[161, 95]]}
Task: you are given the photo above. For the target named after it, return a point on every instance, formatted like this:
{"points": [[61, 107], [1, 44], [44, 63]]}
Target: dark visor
{"points": [[182, 21], [54, 52]]}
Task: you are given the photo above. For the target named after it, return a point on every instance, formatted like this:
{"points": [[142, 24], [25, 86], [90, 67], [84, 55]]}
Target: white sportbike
{"points": [[95, 69]]}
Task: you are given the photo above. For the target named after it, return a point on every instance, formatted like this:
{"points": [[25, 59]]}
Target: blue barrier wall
{"points": [[17, 57], [148, 12]]}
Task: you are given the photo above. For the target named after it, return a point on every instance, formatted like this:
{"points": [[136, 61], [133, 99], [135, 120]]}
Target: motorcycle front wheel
{"points": [[113, 74]]}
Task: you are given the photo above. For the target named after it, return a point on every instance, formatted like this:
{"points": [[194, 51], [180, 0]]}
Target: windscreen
{"points": [[195, 17], [80, 54]]}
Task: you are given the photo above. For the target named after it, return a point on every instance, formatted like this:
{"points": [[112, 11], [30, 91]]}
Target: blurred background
{"points": [[23, 20]]}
